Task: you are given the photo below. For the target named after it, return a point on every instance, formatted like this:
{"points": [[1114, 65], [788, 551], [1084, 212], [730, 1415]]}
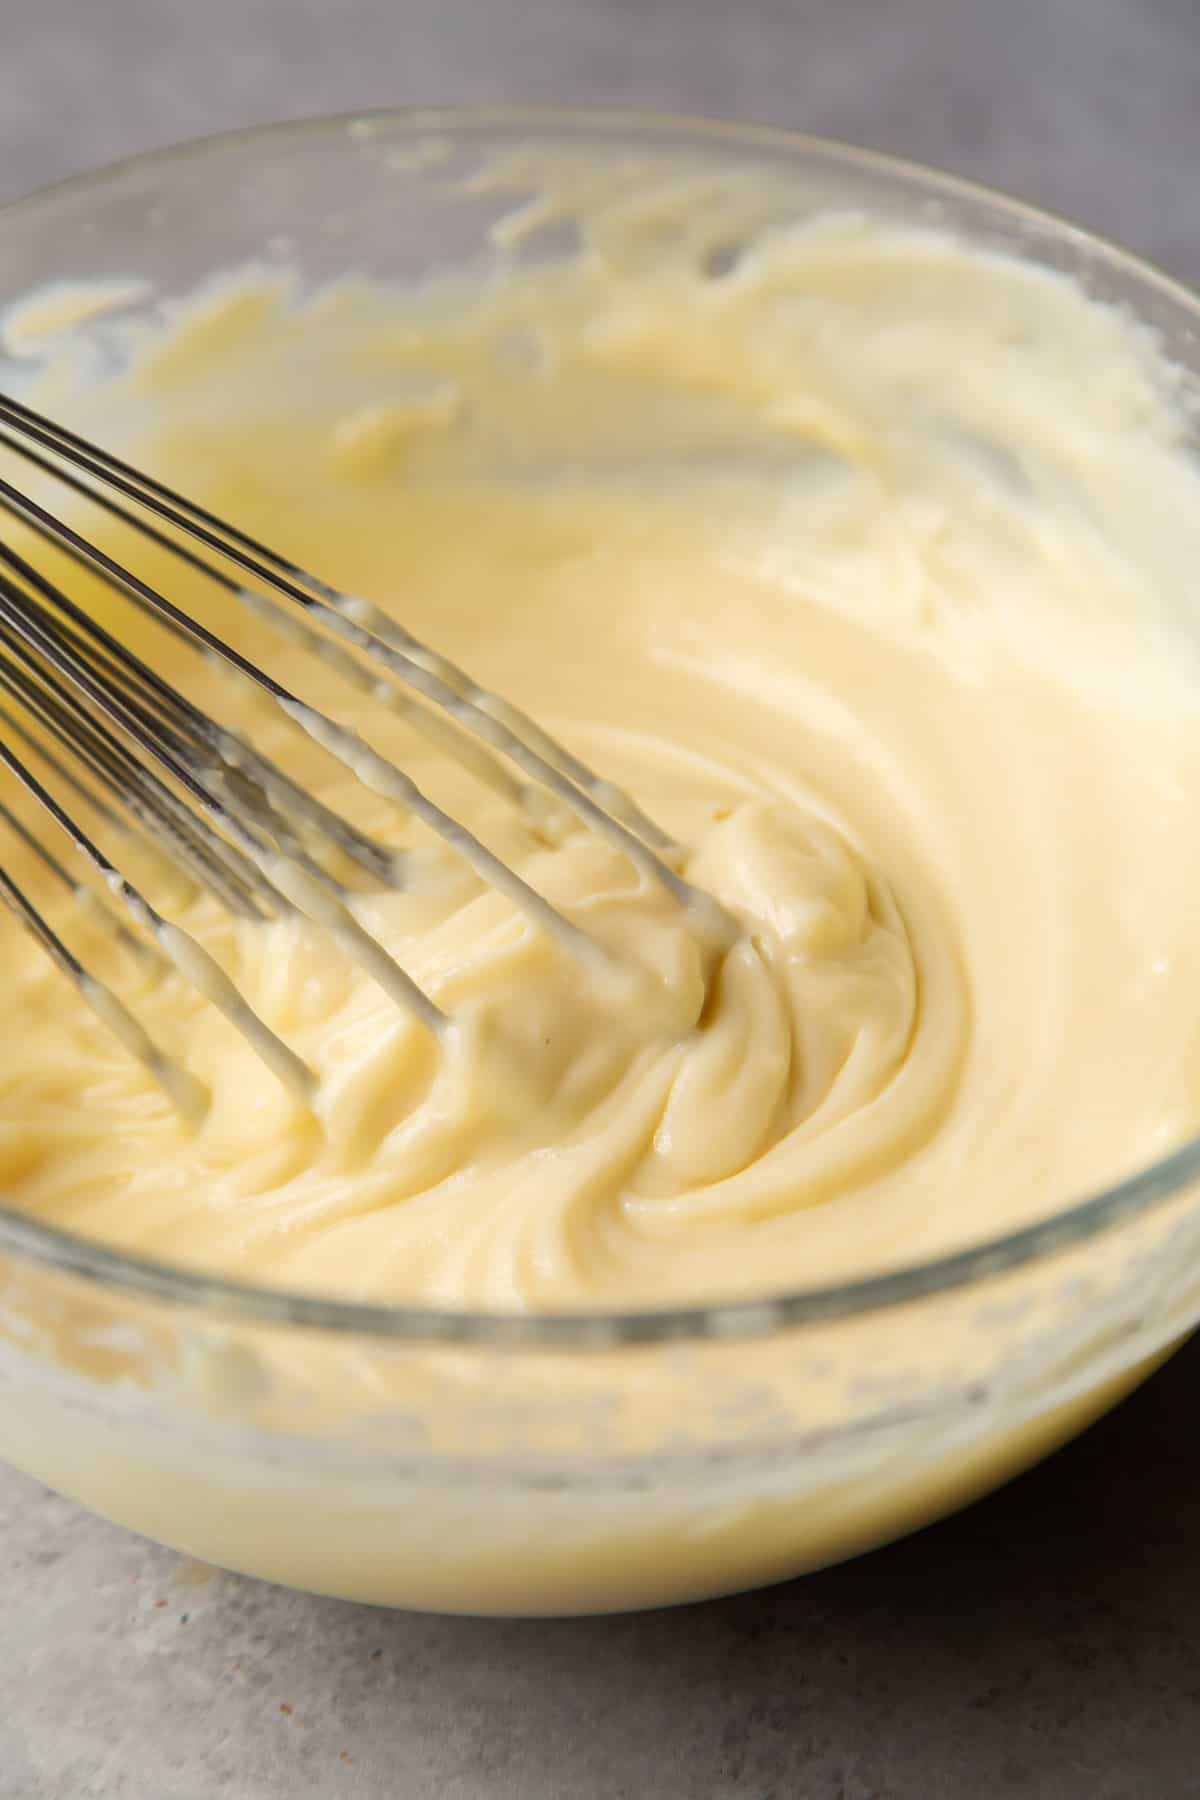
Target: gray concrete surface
{"points": [[1046, 1643]]}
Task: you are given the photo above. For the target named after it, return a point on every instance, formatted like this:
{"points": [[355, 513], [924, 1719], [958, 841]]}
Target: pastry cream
{"points": [[843, 570], [867, 569]]}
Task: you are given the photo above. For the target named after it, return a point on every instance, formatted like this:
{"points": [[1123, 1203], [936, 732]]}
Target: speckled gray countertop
{"points": [[1045, 1643]]}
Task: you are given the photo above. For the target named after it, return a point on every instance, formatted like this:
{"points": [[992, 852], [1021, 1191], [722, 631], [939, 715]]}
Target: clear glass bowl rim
{"points": [[1074, 1223]]}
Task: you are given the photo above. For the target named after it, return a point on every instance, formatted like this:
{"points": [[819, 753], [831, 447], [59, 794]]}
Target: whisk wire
{"points": [[239, 824]]}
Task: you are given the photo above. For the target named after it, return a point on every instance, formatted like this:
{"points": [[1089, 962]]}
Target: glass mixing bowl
{"points": [[551, 1464]]}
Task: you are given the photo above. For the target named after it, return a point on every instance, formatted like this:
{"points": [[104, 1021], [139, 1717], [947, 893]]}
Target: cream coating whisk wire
{"points": [[100, 721]]}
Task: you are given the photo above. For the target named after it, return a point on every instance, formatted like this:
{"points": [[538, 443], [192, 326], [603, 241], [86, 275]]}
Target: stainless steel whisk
{"points": [[83, 718]]}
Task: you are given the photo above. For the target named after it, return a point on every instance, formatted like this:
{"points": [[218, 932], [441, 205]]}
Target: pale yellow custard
{"points": [[868, 569]]}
